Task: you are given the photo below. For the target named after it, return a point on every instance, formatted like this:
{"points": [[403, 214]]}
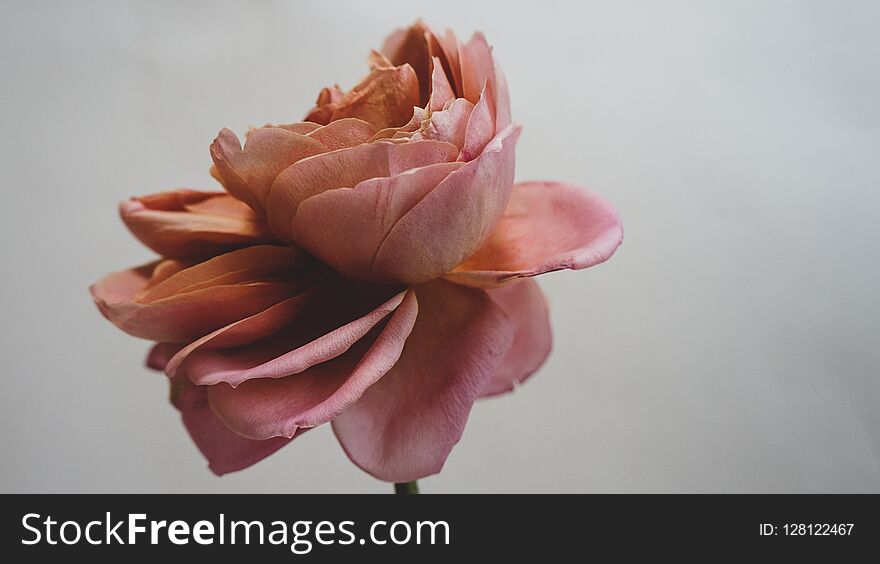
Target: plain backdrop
{"points": [[731, 345]]}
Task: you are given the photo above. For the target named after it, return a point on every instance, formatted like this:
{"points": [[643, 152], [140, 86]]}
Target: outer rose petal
{"points": [[453, 220], [266, 408], [547, 226], [526, 306], [405, 425], [165, 301], [191, 224], [225, 450], [248, 173], [323, 331], [244, 332], [346, 168]]}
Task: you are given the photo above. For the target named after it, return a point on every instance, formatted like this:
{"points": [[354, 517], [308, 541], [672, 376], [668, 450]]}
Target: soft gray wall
{"points": [[731, 345]]}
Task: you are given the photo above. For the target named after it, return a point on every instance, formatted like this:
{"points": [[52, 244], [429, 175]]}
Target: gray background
{"points": [[731, 345]]}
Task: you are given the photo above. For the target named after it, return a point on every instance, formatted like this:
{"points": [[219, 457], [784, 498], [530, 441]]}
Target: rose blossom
{"points": [[369, 267]]}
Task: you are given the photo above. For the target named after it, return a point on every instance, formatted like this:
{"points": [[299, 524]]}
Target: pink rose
{"points": [[368, 267]]}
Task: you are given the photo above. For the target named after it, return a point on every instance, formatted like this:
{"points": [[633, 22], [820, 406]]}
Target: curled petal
{"points": [[328, 101], [324, 329], [452, 220], [243, 332], [526, 306], [405, 425], [450, 46], [410, 46], [247, 173], [193, 224], [172, 302], [265, 408], [385, 98], [547, 226], [345, 168], [225, 450]]}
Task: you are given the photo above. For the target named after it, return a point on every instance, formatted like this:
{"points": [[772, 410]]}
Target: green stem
{"points": [[407, 488]]}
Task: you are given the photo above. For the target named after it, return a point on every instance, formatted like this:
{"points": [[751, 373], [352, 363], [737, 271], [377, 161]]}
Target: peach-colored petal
{"points": [[410, 46], [345, 168], [323, 331], [377, 60], [192, 224], [547, 226], [225, 450], [343, 133], [192, 302], [405, 425], [248, 173], [368, 211], [526, 306], [385, 98], [451, 221], [266, 408], [300, 127], [328, 101]]}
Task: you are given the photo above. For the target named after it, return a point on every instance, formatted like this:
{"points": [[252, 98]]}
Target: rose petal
{"points": [[448, 124], [479, 68], [344, 133], [547, 226], [526, 306], [225, 450], [326, 328], [266, 408], [480, 126], [193, 224], [248, 173], [410, 46], [385, 98], [328, 100], [160, 354], [346, 168], [450, 46], [441, 90], [186, 305], [244, 332], [453, 220], [405, 425], [301, 127], [368, 211]]}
